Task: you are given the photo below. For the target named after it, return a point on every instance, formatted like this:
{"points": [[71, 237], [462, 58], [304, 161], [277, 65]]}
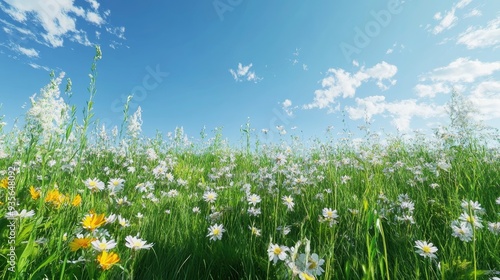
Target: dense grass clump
{"points": [[80, 202]]}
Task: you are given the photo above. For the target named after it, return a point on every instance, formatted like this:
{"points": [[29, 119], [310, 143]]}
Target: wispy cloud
{"points": [[28, 52], [462, 70], [339, 83], [288, 108], [295, 57], [117, 31], [473, 13], [394, 47], [81, 37], [10, 29], [95, 5], [448, 19], [243, 73], [479, 37], [37, 66], [58, 19]]}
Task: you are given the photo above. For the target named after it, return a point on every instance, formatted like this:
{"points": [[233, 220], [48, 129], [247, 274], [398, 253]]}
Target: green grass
{"points": [[387, 196]]}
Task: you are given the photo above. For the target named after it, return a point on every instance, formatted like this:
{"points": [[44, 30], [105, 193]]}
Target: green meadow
{"points": [[83, 201]]}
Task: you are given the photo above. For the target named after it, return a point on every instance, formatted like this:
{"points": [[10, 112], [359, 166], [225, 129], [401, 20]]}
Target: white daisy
{"points": [[215, 232]]}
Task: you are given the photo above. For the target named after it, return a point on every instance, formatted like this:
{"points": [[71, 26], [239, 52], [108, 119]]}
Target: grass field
{"points": [[79, 202]]}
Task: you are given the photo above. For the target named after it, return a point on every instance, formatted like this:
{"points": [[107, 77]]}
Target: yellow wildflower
{"points": [[55, 197], [4, 183], [77, 201], [107, 260], [35, 194], [93, 221], [306, 276], [80, 242]]}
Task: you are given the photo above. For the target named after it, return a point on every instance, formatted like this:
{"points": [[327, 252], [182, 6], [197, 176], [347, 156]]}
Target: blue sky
{"points": [[303, 65]]}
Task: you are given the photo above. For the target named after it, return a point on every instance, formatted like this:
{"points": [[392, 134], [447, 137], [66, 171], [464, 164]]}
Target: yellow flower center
{"points": [[277, 251], [313, 264], [426, 249]]}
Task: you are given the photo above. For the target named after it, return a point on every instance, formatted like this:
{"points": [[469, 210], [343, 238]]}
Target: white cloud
{"points": [[94, 4], [117, 31], [367, 107], [339, 83], [432, 89], [81, 38], [463, 3], [447, 22], [481, 37], [37, 66], [244, 73], [304, 66], [382, 71], [58, 19], [486, 98], [473, 13], [287, 107], [449, 19], [11, 27], [463, 70], [94, 18], [395, 47], [438, 16], [401, 112], [28, 52], [295, 54]]}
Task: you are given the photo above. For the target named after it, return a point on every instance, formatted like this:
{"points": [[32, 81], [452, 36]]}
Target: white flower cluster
{"points": [[135, 124], [48, 112], [305, 265]]}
